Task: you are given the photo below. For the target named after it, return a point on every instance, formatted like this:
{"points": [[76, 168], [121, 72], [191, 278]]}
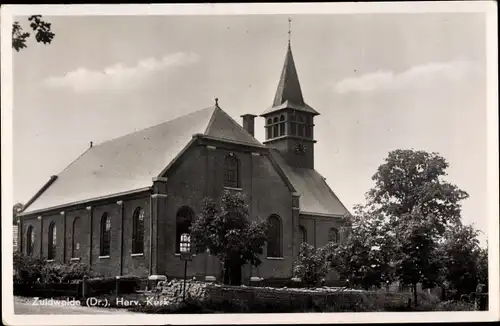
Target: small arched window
{"points": [[138, 231], [105, 235], [275, 119], [269, 121], [52, 241], [333, 235], [75, 245], [183, 227], [274, 237], [231, 173], [303, 234], [30, 240]]}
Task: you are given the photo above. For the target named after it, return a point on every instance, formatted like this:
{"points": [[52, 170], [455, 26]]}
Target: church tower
{"points": [[290, 121]]}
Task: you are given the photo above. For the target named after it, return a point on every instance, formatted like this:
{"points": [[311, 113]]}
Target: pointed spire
{"points": [[288, 86]]}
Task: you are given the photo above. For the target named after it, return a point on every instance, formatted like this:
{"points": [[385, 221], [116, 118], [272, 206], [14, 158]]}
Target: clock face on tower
{"points": [[300, 148]]}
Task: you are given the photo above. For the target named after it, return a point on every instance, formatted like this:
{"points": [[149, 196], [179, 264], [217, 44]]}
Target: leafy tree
{"points": [[364, 256], [38, 25], [465, 264], [227, 233], [411, 195], [410, 180], [416, 255], [311, 265]]}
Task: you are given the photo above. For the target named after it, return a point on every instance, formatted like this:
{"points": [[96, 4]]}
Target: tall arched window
{"points": [[183, 226], [282, 125], [52, 241], [75, 245], [333, 235], [138, 231], [303, 234], [105, 235], [274, 237], [30, 240], [231, 173]]}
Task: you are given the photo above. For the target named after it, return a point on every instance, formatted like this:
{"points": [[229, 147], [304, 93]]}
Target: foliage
{"points": [[420, 206], [43, 32], [28, 268], [465, 263], [227, 233], [311, 265], [63, 273], [364, 256], [416, 256], [410, 180], [32, 269]]}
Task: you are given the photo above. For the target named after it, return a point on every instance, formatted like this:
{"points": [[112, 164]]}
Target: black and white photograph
{"points": [[250, 163]]}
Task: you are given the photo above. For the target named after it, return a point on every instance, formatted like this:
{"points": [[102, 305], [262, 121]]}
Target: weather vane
{"points": [[289, 29]]}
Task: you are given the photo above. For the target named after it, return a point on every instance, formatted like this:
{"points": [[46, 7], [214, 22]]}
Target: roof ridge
{"points": [[154, 126]]}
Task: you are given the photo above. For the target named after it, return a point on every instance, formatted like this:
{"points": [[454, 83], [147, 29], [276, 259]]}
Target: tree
{"points": [[16, 209], [416, 255], [465, 263], [420, 206], [227, 233], [364, 256], [311, 265], [43, 32], [410, 180]]}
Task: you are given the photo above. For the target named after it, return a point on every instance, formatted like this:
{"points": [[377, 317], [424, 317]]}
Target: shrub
{"points": [[311, 265], [64, 273], [28, 268]]}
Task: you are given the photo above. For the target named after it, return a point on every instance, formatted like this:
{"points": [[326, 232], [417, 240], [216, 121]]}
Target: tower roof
{"points": [[289, 92]]}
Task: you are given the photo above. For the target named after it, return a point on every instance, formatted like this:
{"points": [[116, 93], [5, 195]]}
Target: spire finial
{"points": [[289, 29], [216, 102]]}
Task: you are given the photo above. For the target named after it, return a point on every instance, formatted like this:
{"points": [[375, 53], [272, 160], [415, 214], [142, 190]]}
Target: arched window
{"points": [[183, 226], [282, 125], [52, 241], [30, 240], [269, 121], [105, 235], [303, 234], [75, 245], [333, 235], [138, 231], [274, 237], [231, 173]]}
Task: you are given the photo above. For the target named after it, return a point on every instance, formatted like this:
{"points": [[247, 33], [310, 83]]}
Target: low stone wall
{"points": [[334, 299]]}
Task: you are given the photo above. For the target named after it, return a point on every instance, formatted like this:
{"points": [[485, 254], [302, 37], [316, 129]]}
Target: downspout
{"points": [[121, 236], [150, 234]]}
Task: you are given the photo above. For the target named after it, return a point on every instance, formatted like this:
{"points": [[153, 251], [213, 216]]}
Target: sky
{"points": [[380, 82]]}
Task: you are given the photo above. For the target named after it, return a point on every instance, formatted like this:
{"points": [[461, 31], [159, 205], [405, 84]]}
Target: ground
{"points": [[25, 306]]}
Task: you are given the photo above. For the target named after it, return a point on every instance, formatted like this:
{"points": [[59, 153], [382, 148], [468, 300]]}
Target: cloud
{"points": [[417, 77], [118, 76]]}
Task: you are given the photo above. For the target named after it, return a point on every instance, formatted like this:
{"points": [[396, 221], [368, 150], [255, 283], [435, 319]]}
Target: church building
{"points": [[123, 205]]}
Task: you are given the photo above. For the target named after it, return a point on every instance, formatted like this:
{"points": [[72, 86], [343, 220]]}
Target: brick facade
{"points": [[197, 174]]}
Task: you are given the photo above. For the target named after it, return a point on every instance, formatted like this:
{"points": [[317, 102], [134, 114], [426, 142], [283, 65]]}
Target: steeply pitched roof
{"points": [[130, 162], [316, 197], [289, 92]]}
